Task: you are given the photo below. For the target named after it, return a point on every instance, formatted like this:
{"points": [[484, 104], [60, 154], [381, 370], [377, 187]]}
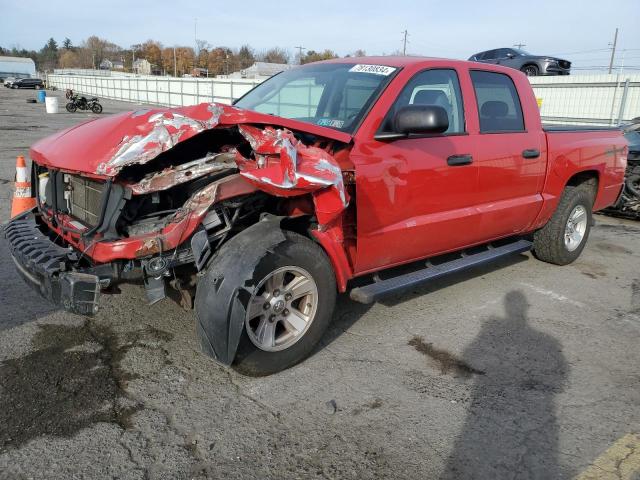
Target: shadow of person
{"points": [[511, 429]]}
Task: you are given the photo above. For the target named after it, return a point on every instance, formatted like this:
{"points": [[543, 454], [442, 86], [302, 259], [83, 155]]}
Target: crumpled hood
{"points": [[104, 146]]}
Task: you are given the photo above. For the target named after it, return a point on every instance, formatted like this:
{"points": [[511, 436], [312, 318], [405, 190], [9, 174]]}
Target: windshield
{"points": [[521, 52], [334, 95]]}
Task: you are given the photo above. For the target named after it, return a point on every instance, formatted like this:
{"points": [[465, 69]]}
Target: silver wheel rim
{"points": [[576, 228], [282, 308]]}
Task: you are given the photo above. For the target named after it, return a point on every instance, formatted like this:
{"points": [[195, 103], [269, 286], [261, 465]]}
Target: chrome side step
{"points": [[378, 289]]}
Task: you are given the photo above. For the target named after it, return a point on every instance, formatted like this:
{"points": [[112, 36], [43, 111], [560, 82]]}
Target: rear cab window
{"points": [[498, 102]]}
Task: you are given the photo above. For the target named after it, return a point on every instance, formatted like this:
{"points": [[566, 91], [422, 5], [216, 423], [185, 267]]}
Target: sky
{"points": [[577, 30]]}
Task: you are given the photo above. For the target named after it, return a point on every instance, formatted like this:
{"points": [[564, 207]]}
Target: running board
{"points": [[378, 289]]}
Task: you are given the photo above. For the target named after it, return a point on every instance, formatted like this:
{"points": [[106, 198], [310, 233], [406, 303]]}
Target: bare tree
{"points": [[275, 55]]}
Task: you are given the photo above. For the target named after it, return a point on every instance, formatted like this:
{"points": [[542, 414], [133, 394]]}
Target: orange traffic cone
{"points": [[22, 199]]}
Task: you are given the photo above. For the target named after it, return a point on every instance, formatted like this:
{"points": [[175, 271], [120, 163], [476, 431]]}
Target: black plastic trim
{"points": [[376, 290]]}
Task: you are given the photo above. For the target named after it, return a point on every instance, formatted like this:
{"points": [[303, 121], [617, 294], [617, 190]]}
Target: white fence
{"points": [[155, 90], [574, 99]]}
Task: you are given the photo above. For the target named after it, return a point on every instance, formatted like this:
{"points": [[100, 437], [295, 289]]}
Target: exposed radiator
{"points": [[86, 199]]}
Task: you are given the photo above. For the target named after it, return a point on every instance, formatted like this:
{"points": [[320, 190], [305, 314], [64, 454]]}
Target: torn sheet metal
{"points": [[105, 145], [213, 162], [284, 166], [162, 131]]}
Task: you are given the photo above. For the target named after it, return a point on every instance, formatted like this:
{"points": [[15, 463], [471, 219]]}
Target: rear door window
{"points": [[498, 102]]}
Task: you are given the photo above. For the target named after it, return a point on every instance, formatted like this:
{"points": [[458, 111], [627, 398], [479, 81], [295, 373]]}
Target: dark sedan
{"points": [[530, 65], [28, 83]]}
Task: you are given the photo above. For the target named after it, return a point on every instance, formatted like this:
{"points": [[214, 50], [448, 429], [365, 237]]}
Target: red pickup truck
{"points": [[392, 170]]}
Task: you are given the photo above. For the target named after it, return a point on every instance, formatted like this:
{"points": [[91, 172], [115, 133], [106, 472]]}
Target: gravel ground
{"points": [[518, 370]]}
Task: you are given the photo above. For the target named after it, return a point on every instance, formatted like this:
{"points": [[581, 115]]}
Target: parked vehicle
{"points": [[258, 214], [82, 103], [628, 205], [530, 65], [28, 83], [9, 81]]}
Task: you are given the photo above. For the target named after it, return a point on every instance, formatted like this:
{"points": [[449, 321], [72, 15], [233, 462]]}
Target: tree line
{"points": [[214, 60]]}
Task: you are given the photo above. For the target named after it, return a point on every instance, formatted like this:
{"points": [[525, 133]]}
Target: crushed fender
{"points": [[284, 166]]}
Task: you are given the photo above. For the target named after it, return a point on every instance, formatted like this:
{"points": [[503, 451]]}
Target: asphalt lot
{"points": [[520, 370]]}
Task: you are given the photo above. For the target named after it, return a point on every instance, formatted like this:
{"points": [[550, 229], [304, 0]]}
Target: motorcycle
{"points": [[82, 103]]}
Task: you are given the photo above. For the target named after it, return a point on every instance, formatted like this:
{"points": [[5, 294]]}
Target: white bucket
{"points": [[51, 104]]}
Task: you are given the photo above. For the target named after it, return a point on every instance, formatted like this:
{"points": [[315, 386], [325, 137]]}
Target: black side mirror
{"points": [[510, 55], [417, 119]]}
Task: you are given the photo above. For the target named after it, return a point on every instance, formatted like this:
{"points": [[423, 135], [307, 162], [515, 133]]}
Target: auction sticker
{"points": [[375, 69]]}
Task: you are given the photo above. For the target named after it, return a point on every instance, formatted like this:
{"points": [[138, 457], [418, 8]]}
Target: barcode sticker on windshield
{"points": [[375, 69]]}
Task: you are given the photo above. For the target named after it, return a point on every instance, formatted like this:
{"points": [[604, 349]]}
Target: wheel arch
{"points": [[587, 178], [334, 249]]}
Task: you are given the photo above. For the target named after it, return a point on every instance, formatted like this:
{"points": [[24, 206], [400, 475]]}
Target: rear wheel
{"points": [[530, 70], [96, 108], [71, 107], [563, 238]]}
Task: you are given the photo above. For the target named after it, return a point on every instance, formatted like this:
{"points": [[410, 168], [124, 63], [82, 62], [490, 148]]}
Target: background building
{"points": [[18, 67], [142, 66], [107, 64], [259, 70]]}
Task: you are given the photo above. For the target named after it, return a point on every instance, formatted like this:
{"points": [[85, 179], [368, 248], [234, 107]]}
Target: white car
{"points": [[9, 81]]}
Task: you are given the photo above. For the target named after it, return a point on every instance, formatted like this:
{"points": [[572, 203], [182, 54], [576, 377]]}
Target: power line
{"points": [[584, 51]]}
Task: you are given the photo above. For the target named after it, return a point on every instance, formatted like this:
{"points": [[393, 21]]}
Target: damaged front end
{"points": [[161, 192]]}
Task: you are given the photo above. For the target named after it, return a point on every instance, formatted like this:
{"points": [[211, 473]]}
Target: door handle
{"points": [[459, 160], [531, 153]]}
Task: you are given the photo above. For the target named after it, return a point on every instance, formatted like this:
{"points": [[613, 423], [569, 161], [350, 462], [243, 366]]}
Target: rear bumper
{"points": [[44, 266]]}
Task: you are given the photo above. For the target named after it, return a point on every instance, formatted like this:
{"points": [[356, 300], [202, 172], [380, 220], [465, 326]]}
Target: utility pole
{"points": [[404, 42], [613, 50], [519, 45], [300, 49], [195, 39], [175, 63]]}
